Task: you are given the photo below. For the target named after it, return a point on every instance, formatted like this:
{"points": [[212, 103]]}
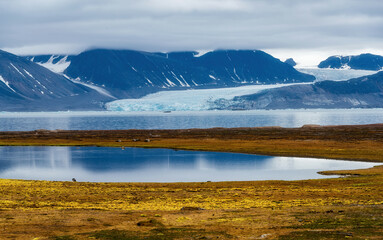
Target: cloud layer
{"points": [[43, 26]]}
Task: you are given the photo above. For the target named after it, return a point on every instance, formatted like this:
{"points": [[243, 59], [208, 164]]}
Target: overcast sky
{"points": [[308, 30]]}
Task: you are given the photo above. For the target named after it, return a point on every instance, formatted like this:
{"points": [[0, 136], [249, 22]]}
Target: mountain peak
{"points": [[291, 62], [25, 85], [129, 73], [364, 61]]}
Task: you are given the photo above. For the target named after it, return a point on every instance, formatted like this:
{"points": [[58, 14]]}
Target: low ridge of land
{"points": [[357, 142]]}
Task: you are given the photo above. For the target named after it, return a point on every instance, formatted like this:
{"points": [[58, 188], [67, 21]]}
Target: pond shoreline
{"points": [[352, 142], [324, 208]]}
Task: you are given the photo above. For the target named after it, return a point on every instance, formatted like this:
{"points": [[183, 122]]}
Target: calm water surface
{"points": [[156, 165], [181, 120]]}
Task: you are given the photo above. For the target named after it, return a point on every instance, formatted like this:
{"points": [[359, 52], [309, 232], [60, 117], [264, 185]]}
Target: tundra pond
{"points": [[106, 164]]}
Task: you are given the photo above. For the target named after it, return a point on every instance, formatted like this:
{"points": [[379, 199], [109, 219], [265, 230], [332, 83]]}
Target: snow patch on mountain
{"points": [[29, 74], [6, 83], [91, 86], [57, 67], [17, 70], [200, 53]]}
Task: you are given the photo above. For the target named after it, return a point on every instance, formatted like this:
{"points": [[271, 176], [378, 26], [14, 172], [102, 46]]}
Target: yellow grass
{"points": [[337, 208]]}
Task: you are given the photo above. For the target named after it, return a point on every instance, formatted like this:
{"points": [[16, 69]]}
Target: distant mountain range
{"points": [[88, 80], [363, 92], [365, 61], [26, 86], [131, 74]]}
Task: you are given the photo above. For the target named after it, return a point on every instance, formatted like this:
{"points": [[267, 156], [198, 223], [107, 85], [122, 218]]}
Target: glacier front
{"points": [[208, 99], [185, 100]]}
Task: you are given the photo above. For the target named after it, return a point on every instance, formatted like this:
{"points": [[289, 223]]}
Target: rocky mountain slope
{"points": [[364, 61], [363, 92], [27, 86], [127, 74]]}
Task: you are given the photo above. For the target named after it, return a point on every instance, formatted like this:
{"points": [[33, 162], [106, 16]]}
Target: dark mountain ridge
{"points": [[128, 73], [364, 61], [54, 59], [27, 86], [88, 80], [363, 92]]}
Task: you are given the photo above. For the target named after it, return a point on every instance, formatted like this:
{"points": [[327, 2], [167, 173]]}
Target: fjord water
{"points": [[156, 165], [184, 120]]}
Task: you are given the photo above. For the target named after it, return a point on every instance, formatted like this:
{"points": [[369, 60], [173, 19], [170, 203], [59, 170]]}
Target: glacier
{"points": [[322, 74], [208, 99], [184, 100]]}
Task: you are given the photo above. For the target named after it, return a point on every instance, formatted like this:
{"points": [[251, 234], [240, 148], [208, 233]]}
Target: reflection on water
{"points": [[156, 165], [182, 120]]}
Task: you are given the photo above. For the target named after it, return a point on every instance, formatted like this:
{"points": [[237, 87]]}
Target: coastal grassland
{"points": [[311, 209], [337, 208]]}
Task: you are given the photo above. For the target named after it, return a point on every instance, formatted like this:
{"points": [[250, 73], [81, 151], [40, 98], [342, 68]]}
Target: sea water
{"points": [[187, 119]]}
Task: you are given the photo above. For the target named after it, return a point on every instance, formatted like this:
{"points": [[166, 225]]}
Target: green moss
{"points": [[356, 223], [150, 223], [115, 235], [63, 238], [157, 234], [316, 235]]}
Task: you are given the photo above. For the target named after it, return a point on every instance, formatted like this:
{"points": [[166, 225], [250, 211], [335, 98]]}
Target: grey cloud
{"points": [[166, 25]]}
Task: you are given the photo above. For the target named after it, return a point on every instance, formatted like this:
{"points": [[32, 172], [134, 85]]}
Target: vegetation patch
{"points": [[158, 234], [359, 223], [336, 208], [317, 235], [150, 223], [62, 238]]}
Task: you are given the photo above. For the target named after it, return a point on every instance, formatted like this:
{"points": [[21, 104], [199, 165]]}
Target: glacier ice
{"points": [[184, 100], [208, 99], [322, 74]]}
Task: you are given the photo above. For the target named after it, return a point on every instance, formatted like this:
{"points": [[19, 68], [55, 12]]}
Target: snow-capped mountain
{"points": [[130, 74], [25, 85], [364, 61], [363, 92]]}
